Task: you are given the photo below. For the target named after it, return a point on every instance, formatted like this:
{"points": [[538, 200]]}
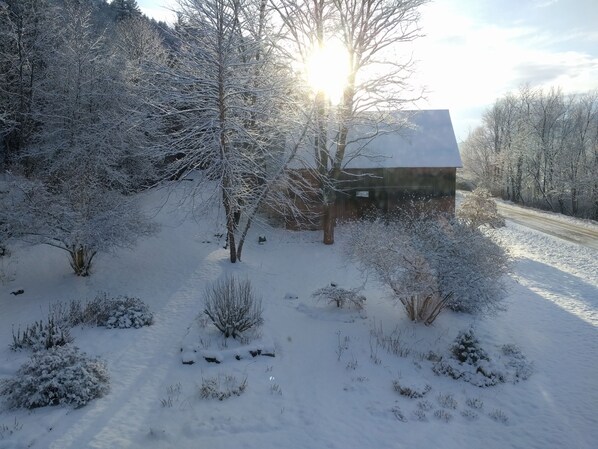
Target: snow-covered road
{"points": [[551, 224]]}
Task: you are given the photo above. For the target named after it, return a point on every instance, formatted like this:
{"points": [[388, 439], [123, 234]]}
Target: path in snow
{"points": [[143, 365]]}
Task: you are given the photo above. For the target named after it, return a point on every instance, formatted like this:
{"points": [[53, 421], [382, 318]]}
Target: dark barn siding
{"points": [[388, 189], [392, 188]]}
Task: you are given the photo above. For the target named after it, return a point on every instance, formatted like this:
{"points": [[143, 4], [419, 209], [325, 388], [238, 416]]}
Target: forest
{"points": [[98, 102], [539, 148]]}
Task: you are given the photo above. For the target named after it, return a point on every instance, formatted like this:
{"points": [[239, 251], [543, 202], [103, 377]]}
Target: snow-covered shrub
{"points": [[41, 335], [411, 391], [68, 314], [425, 405], [420, 415], [221, 387], [121, 312], [467, 348], [469, 415], [499, 416], [61, 375], [393, 342], [443, 415], [447, 401], [431, 262], [475, 403], [478, 208], [232, 306], [516, 363], [340, 296], [471, 363], [7, 430]]}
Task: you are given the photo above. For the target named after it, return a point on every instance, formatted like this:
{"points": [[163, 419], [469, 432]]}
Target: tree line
{"points": [[539, 148], [98, 102]]}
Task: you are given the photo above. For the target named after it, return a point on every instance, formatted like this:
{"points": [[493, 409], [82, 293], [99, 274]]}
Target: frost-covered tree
{"points": [[26, 34], [86, 154], [81, 220], [228, 108], [538, 148]]}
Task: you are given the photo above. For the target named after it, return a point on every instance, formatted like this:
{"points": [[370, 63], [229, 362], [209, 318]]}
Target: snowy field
{"points": [[330, 384]]}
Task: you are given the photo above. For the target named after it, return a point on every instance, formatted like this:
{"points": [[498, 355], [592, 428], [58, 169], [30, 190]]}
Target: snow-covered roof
{"points": [[428, 141], [415, 139]]}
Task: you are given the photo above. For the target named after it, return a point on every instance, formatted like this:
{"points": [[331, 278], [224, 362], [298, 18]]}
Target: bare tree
{"points": [[371, 32], [85, 153], [538, 148], [230, 107], [26, 33]]}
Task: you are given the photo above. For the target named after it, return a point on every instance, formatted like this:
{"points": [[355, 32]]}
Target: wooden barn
{"points": [[417, 162]]}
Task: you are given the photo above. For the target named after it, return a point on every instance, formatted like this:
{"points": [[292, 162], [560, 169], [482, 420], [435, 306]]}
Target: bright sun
{"points": [[327, 70]]}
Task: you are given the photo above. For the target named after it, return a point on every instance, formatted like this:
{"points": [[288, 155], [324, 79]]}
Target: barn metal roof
{"points": [[405, 139], [428, 141]]}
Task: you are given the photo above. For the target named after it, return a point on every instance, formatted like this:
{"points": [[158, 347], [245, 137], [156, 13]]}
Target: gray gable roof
{"points": [[429, 141]]}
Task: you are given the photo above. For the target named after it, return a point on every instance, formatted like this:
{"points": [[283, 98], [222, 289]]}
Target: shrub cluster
{"points": [[41, 335], [478, 209], [471, 363], [222, 387], [60, 375], [431, 262], [413, 392], [57, 373], [121, 312]]}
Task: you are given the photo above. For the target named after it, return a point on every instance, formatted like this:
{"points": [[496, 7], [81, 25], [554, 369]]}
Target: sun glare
{"points": [[327, 70]]}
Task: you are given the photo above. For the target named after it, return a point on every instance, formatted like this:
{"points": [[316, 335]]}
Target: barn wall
{"points": [[387, 190]]}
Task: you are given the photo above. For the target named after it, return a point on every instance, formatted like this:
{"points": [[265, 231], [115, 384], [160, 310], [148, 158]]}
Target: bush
{"points": [[41, 335], [340, 296], [430, 263], [471, 363], [413, 392], [232, 306], [467, 348], [222, 387], [60, 375], [478, 208], [121, 312]]}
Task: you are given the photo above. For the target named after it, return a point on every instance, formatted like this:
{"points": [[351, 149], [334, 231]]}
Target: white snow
{"points": [[329, 385], [428, 142], [416, 139]]}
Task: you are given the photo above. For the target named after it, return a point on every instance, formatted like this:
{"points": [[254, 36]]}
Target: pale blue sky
{"points": [[475, 51]]}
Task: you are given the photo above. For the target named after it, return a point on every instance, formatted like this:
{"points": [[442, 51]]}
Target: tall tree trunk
{"points": [[230, 222], [329, 219]]}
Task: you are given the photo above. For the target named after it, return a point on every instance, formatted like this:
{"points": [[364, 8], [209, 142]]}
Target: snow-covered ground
{"points": [[330, 384]]}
